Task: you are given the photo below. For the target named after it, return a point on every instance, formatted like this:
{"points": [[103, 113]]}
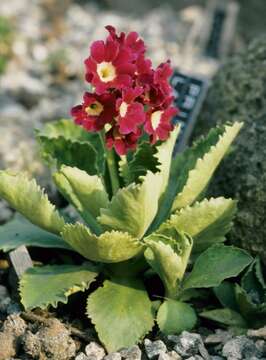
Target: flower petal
{"points": [[98, 51]]}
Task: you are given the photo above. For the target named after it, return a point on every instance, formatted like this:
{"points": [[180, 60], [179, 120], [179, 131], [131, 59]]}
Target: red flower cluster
{"points": [[130, 97]]}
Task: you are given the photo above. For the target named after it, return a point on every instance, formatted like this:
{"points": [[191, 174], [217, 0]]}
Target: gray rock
{"points": [[258, 333], [196, 357], [23, 86], [113, 356], [8, 346], [170, 355], [4, 304], [154, 348], [15, 325], [174, 339], [190, 344], [81, 356], [13, 308], [51, 341], [94, 351], [220, 337], [240, 347], [132, 353], [261, 346], [216, 357]]}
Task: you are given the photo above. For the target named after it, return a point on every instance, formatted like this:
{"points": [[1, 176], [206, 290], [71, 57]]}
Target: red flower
{"points": [[121, 143], [131, 113], [130, 95], [109, 66], [161, 77], [130, 41], [95, 111], [158, 123]]}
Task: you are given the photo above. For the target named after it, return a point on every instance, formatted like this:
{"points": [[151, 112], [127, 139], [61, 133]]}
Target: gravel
{"points": [[171, 355], [190, 344], [154, 348], [241, 347], [113, 356], [94, 351], [132, 353]]}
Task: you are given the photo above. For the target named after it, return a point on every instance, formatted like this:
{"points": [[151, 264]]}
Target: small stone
{"points": [[216, 357], [174, 339], [196, 357], [154, 348], [13, 308], [94, 351], [132, 353], [189, 344], [259, 333], [32, 344], [4, 304], [171, 355], [113, 356], [8, 346], [81, 356], [261, 346], [238, 348], [51, 341], [220, 337], [15, 325]]}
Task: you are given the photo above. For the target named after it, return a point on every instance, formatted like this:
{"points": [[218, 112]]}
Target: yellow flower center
{"points": [[155, 119], [106, 71], [123, 109], [94, 109]]}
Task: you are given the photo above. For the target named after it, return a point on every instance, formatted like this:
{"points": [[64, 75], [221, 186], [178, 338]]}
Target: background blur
{"points": [[43, 44]]}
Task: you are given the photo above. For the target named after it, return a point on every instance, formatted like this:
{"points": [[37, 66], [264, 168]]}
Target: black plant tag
{"points": [[189, 93]]}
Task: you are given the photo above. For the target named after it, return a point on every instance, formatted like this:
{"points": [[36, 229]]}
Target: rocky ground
{"points": [[40, 335]]}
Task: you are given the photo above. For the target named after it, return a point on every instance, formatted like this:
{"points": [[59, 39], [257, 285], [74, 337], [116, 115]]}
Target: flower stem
{"points": [[111, 163]]}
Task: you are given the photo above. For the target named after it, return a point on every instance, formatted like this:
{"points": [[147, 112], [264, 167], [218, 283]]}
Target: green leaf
{"points": [[149, 158], [51, 284], [133, 208], [227, 317], [65, 143], [225, 293], [200, 176], [188, 294], [254, 312], [66, 128], [71, 153], [168, 256], [181, 165], [216, 264], [26, 197], [142, 161], [109, 247], [174, 317], [121, 312], [164, 156], [253, 282], [207, 221], [20, 231], [84, 191]]}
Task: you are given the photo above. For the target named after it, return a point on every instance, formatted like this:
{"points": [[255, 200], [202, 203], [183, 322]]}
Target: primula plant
{"points": [[142, 210]]}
